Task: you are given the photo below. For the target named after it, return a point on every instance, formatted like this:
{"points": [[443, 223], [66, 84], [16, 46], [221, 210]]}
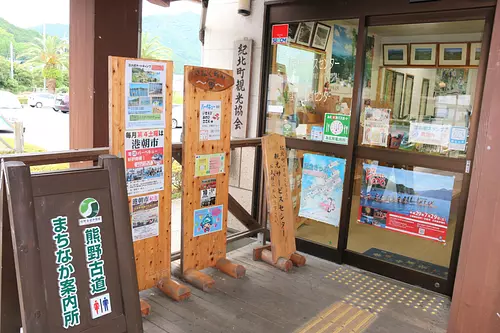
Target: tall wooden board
{"points": [[281, 215], [204, 85], [152, 254]]}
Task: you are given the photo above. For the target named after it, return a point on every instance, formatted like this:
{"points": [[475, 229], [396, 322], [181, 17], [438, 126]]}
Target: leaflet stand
{"points": [[205, 162], [140, 109], [282, 252]]}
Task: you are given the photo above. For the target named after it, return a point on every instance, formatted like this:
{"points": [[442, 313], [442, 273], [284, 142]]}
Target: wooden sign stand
{"points": [[49, 222], [282, 251], [205, 163], [152, 254]]}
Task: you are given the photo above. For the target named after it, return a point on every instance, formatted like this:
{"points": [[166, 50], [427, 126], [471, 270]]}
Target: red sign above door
{"points": [[279, 34]]}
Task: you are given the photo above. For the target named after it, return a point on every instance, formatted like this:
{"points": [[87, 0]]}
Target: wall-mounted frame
{"points": [[453, 54], [305, 33], [407, 96], [424, 95], [395, 54], [423, 54], [475, 53], [321, 35], [293, 29]]}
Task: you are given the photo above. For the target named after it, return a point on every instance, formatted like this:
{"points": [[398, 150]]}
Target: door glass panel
{"points": [[405, 215], [311, 81], [420, 94]]}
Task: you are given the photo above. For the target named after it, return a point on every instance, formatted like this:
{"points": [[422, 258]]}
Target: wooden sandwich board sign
{"points": [[140, 109], [205, 163], [65, 229], [282, 251]]}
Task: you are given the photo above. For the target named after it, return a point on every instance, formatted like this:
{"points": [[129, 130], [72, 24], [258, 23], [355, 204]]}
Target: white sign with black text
{"points": [[241, 90]]}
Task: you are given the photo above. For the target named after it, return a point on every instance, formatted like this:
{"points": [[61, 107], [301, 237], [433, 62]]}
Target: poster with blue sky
{"points": [[322, 183], [208, 220], [344, 55]]}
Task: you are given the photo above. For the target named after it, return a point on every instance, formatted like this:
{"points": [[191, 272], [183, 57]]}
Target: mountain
{"points": [[19, 37], [58, 30]]}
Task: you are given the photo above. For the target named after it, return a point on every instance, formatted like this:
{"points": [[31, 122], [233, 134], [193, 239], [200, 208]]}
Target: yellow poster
{"points": [[208, 165]]}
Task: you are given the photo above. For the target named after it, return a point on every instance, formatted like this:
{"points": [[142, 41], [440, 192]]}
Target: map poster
{"points": [[336, 128], [145, 217], [145, 94], [144, 161], [210, 115], [208, 192], [208, 220], [410, 202], [376, 127], [209, 165], [322, 184]]}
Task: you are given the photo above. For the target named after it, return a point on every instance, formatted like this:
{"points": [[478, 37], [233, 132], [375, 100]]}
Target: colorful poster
{"points": [[458, 138], [208, 192], [145, 217], [144, 161], [210, 114], [208, 165], [322, 184], [410, 202], [376, 127], [430, 134], [208, 220], [145, 95], [336, 128]]}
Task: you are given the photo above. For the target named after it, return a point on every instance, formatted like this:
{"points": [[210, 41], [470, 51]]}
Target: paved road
{"points": [[49, 129]]}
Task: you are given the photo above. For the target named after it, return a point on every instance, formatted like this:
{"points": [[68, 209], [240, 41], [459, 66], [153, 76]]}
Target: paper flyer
{"points": [[209, 165], [145, 217], [210, 116], [145, 94], [458, 138], [322, 185], [376, 127], [208, 220], [208, 192], [144, 161], [431, 134]]}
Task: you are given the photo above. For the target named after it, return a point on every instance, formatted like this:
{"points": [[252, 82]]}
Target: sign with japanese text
{"points": [[336, 128], [411, 202], [209, 165], [208, 192], [144, 161], [242, 70], [145, 216], [279, 34], [458, 138], [208, 220], [210, 116], [210, 79], [430, 134], [376, 127], [145, 94]]}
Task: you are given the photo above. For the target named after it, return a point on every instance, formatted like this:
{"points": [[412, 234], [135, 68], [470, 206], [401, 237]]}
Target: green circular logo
{"points": [[89, 208]]}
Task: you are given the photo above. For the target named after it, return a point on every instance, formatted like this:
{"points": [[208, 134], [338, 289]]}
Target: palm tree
{"points": [[51, 55], [151, 48]]}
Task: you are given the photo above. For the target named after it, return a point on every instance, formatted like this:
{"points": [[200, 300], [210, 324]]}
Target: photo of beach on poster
{"points": [[410, 202]]}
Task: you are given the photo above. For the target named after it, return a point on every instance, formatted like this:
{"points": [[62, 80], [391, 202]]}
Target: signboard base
{"points": [[264, 253]]}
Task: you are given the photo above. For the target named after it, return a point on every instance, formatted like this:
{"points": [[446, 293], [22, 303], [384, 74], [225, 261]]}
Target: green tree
{"points": [[52, 56], [151, 48], [22, 81]]}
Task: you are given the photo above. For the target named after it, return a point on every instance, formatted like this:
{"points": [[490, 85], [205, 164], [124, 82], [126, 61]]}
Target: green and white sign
{"points": [[336, 128], [89, 210]]}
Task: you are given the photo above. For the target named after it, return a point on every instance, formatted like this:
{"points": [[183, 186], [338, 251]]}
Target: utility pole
{"points": [[11, 60]]}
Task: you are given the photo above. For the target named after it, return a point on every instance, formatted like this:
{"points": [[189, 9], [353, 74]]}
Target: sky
{"points": [[30, 13]]}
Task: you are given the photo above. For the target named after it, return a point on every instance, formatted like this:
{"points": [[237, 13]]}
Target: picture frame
{"points": [[395, 54], [475, 53], [423, 54], [321, 36], [305, 33], [453, 54], [293, 29]]}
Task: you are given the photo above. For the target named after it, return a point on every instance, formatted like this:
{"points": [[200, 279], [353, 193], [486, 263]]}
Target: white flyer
{"points": [[210, 114]]}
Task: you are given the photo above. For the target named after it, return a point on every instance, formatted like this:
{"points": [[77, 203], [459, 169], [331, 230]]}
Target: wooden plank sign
{"points": [[205, 162], [140, 110], [65, 229]]}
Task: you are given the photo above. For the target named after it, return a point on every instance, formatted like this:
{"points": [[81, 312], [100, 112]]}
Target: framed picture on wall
{"points": [[423, 54], [475, 53], [321, 35], [293, 28], [305, 33], [453, 54], [407, 96], [395, 54]]}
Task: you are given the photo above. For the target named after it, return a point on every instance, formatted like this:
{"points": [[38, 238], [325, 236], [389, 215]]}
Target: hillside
{"points": [[18, 36]]}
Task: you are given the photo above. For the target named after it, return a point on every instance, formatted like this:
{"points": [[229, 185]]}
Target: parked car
{"points": [[9, 101], [9, 105], [177, 115], [62, 103], [40, 100]]}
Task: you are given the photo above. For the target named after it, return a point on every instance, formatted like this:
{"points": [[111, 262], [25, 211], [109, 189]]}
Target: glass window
{"points": [[405, 215], [311, 81], [420, 94]]}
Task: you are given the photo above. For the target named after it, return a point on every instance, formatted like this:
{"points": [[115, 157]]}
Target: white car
{"points": [[177, 115], [41, 100], [9, 101]]}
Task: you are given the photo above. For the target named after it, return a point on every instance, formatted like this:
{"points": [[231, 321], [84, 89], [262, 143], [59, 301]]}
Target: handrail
{"points": [[68, 156]]}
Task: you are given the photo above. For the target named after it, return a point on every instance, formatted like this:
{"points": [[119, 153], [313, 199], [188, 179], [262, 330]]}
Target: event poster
{"points": [[210, 115], [322, 183], [208, 220], [376, 127], [430, 134], [336, 128], [145, 217], [209, 165], [144, 161], [208, 192], [145, 94], [410, 202]]}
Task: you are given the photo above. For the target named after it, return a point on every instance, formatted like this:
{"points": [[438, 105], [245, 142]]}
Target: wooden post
{"points": [[19, 137], [152, 253], [205, 162]]}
